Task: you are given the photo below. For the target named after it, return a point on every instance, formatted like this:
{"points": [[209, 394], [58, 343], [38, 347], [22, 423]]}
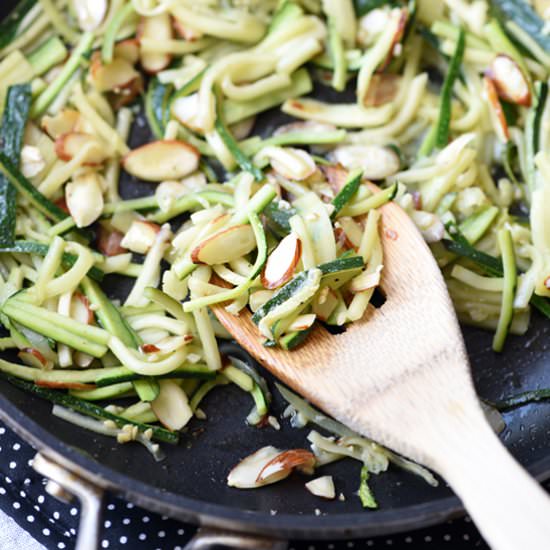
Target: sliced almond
{"points": [[81, 310], [64, 122], [109, 241], [377, 162], [127, 49], [69, 145], [336, 176], [382, 89], [299, 459], [33, 358], [125, 96], [245, 474], [225, 246], [302, 322], [291, 163], [322, 487], [162, 160], [114, 76], [396, 46], [282, 262], [259, 298], [325, 303], [186, 110], [186, 32], [495, 109], [90, 13], [140, 237], [509, 80], [430, 225], [305, 126], [84, 197], [172, 406], [158, 27], [365, 281], [32, 161]]}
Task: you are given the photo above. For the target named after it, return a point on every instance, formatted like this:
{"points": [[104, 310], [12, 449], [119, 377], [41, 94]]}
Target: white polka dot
{"points": [[181, 531], [2, 491], [163, 518], [142, 536], [37, 508], [56, 515], [16, 446], [73, 511], [26, 481], [161, 534], [13, 465], [466, 537], [22, 494], [427, 538], [123, 540], [129, 505], [46, 532], [370, 543], [30, 462], [30, 519], [351, 545], [61, 545], [408, 540], [447, 538], [2, 431], [389, 542], [104, 544], [146, 519], [110, 507], [16, 505], [40, 499], [8, 480], [107, 524], [126, 521], [72, 531]]}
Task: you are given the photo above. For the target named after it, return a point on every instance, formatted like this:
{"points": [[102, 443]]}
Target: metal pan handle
{"points": [[64, 485], [208, 539]]}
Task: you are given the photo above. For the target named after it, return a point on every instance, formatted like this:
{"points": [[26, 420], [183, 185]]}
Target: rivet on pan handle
{"points": [[63, 484], [207, 539]]}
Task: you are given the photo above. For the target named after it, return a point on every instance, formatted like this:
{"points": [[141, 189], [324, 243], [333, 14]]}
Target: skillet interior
{"points": [[190, 483]]}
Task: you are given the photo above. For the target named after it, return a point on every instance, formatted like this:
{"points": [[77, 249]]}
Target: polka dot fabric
{"points": [[125, 526]]}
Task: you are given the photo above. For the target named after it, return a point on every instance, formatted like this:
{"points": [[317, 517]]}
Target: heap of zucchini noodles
{"points": [[443, 104]]}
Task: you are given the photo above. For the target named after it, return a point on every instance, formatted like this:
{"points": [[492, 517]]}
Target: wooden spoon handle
{"points": [[509, 507]]}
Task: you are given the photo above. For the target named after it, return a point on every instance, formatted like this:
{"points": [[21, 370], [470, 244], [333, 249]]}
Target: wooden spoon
{"points": [[401, 377]]}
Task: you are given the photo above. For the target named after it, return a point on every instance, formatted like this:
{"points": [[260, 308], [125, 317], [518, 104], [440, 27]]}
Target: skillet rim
{"points": [[339, 526]]}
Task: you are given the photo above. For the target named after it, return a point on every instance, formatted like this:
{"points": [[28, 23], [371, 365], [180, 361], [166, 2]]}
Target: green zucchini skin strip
{"points": [[26, 188], [90, 409], [510, 283], [10, 25], [40, 249], [278, 219], [155, 106], [116, 375], [533, 129], [523, 15], [347, 192], [533, 396], [363, 7], [338, 58], [14, 120], [444, 121], [365, 494], [110, 34]]}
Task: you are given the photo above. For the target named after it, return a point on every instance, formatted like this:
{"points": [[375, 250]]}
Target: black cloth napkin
{"points": [[128, 527]]}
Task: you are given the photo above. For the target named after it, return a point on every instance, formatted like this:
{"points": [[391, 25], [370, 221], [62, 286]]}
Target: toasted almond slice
{"points": [[322, 487], [162, 160], [430, 225], [186, 32], [509, 80], [64, 122], [32, 161], [325, 303], [299, 459], [84, 198], [396, 47], [496, 111], [90, 13], [245, 474], [365, 281], [305, 126], [157, 27], [291, 163], [302, 322], [81, 310], [186, 109], [382, 89], [140, 237], [282, 262], [377, 162], [336, 176], [125, 96], [33, 358], [114, 76], [109, 241], [172, 406], [224, 246], [69, 145], [127, 49]]}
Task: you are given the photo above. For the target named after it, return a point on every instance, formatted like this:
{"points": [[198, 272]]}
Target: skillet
{"points": [[190, 483]]}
